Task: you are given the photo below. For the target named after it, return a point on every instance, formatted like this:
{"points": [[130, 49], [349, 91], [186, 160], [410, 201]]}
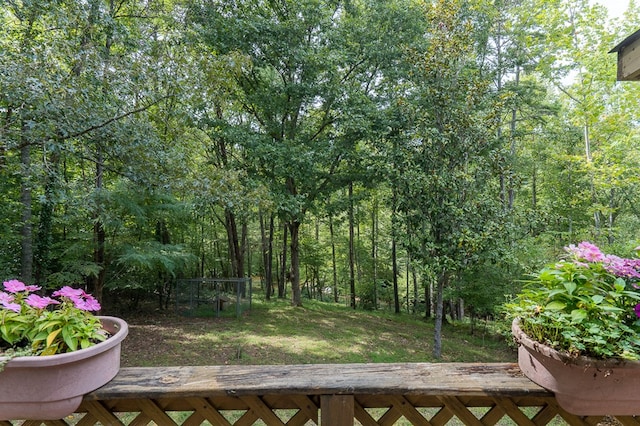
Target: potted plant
{"points": [[53, 350], [577, 327]]}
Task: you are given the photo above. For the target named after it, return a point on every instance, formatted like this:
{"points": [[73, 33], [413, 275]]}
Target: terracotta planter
{"points": [[582, 386], [52, 387]]}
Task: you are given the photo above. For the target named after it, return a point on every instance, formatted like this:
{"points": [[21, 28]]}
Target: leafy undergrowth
{"points": [[274, 332]]}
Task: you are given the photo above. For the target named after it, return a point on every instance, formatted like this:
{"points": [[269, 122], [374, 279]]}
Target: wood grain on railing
{"points": [[325, 395]]}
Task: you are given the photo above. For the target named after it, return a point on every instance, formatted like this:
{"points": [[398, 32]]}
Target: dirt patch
{"points": [[168, 339]]}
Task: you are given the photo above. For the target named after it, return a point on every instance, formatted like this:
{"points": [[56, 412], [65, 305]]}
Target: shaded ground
{"points": [[276, 333]]}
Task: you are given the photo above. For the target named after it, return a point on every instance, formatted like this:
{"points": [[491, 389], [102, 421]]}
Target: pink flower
{"points": [[13, 307], [69, 292], [625, 268], [637, 310], [88, 303], [6, 300], [38, 302], [15, 286], [81, 300], [5, 297], [590, 252], [587, 252]]}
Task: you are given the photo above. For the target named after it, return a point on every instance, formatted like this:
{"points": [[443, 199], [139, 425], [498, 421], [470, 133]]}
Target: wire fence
{"points": [[202, 297]]}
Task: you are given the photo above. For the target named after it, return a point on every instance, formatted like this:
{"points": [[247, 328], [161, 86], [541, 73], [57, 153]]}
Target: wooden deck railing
{"points": [[324, 394]]}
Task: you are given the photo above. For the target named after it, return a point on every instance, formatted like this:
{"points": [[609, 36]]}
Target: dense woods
{"points": [[407, 154]]}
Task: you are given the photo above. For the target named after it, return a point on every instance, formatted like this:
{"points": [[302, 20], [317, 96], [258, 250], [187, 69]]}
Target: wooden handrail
{"points": [[323, 394], [320, 379]]}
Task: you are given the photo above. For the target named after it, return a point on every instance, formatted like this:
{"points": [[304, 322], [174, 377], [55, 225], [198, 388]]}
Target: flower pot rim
{"points": [[523, 339], [122, 329]]}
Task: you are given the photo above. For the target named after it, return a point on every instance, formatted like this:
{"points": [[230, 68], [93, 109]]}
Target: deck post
{"points": [[336, 410]]}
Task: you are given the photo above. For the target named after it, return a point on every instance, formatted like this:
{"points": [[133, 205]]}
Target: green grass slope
{"points": [[275, 333]]}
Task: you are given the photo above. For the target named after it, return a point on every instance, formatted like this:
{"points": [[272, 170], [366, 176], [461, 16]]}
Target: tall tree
{"points": [[449, 189]]}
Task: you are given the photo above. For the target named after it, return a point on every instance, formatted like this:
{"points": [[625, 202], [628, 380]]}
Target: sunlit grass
{"points": [[274, 332]]}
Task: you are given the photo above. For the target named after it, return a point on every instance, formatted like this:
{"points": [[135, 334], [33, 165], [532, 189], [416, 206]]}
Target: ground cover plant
{"points": [[274, 332]]}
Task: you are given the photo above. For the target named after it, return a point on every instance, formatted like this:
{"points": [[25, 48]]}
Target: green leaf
{"points": [[555, 306], [631, 295], [578, 315], [570, 286], [557, 291], [619, 285], [69, 340]]}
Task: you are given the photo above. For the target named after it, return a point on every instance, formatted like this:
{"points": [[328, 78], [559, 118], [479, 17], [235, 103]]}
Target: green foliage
{"points": [[64, 331], [154, 257], [484, 285], [481, 135], [450, 184], [373, 295], [28, 324], [585, 305]]}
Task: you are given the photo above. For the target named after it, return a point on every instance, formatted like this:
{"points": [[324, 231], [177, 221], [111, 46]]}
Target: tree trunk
{"points": [[394, 257], [26, 233], [203, 252], [244, 249], [427, 298], [512, 147], [597, 214], [334, 266], [99, 235], [283, 265], [163, 286], [270, 254], [612, 203], [352, 260], [394, 261], [263, 246], [437, 338], [267, 255], [407, 280], [374, 250], [236, 244], [296, 295], [416, 296]]}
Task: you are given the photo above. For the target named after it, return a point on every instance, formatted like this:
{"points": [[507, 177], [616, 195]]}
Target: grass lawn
{"points": [[273, 332]]}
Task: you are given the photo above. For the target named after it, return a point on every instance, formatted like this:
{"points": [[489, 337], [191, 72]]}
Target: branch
{"points": [[345, 77], [112, 120], [566, 92]]}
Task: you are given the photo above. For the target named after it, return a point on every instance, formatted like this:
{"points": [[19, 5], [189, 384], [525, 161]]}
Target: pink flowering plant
{"points": [[46, 325], [587, 304]]}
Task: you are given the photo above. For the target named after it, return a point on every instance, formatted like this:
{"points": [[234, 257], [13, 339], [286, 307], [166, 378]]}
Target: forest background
{"points": [[409, 154]]}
